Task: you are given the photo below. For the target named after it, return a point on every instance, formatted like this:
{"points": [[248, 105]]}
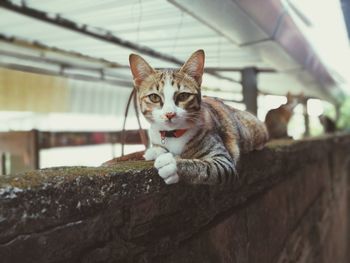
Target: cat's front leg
{"points": [[167, 168], [153, 153]]}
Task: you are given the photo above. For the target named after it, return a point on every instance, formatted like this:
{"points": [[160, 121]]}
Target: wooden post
{"points": [[250, 89], [34, 149], [21, 149], [3, 163], [306, 118], [337, 112]]}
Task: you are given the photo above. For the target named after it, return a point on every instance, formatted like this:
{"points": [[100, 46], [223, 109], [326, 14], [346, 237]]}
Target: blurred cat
{"points": [[277, 120], [194, 139], [329, 125]]}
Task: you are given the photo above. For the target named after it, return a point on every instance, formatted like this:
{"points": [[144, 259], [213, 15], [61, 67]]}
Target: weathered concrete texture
{"points": [[289, 204]]}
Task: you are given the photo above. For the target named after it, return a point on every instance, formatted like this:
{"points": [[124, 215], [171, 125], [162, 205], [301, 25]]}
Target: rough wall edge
{"points": [[51, 200]]}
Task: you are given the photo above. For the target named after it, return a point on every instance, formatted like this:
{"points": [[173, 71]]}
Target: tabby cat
{"points": [[195, 140], [277, 120]]}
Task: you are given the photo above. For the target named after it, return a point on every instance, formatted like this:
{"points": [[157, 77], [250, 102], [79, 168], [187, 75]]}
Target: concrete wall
{"points": [[288, 205]]}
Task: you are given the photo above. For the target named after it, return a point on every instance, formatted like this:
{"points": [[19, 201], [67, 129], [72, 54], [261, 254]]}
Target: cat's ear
{"points": [[194, 66], [289, 96], [140, 69], [301, 97]]}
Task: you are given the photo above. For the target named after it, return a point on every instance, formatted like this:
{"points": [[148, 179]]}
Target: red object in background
{"points": [[98, 137]]}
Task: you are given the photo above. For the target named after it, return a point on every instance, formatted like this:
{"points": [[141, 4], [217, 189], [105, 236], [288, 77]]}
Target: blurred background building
{"points": [[64, 67]]}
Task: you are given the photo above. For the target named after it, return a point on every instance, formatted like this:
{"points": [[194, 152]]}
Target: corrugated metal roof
{"points": [[154, 23], [162, 26]]}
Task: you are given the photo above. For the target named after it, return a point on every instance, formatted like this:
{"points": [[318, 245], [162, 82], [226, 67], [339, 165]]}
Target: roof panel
{"points": [[166, 38], [168, 27]]}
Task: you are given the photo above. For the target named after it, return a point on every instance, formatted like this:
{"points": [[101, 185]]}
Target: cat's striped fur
{"points": [[215, 134]]}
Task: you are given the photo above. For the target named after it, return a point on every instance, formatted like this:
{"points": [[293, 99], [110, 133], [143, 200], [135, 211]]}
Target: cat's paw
{"points": [[153, 152], [167, 169]]}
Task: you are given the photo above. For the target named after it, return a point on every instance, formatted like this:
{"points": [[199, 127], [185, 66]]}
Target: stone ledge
{"points": [[125, 212]]}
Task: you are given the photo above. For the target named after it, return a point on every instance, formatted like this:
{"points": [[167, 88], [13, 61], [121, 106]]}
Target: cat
{"points": [[329, 125], [195, 139], [277, 120]]}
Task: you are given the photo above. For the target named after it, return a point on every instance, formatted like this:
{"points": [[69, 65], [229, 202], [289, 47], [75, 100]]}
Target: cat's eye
{"points": [[154, 98], [183, 96]]}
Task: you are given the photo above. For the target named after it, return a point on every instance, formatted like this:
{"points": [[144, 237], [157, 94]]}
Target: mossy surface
{"points": [[36, 178], [117, 213], [283, 143]]}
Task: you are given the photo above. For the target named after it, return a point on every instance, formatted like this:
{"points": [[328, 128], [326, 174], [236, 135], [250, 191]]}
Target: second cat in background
{"points": [[277, 120]]}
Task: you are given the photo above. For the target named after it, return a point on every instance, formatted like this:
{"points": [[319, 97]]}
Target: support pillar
{"points": [[250, 89], [306, 118], [337, 112]]}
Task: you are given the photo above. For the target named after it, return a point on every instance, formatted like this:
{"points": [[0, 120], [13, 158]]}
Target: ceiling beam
{"points": [[62, 64], [238, 69], [35, 70], [37, 46], [99, 34]]}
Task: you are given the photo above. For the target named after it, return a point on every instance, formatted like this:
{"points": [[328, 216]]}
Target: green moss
{"points": [[274, 144], [127, 165], [65, 174], [36, 178]]}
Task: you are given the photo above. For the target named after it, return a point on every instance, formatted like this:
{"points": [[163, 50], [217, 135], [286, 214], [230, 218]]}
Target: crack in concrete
{"points": [[46, 231]]}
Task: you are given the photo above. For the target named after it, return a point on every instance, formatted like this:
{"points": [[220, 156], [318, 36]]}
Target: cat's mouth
{"points": [[170, 122]]}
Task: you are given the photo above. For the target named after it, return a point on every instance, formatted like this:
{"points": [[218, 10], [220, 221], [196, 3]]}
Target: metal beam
{"points": [[41, 47], [99, 34], [119, 83], [62, 64], [36, 45], [236, 69]]}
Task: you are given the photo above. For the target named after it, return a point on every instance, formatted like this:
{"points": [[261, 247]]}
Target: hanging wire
{"points": [[133, 96], [142, 133], [123, 136]]}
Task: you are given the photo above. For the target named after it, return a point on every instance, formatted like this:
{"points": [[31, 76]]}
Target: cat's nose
{"points": [[170, 115]]}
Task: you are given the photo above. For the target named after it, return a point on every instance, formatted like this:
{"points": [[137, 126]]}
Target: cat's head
{"points": [[169, 99], [294, 100]]}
